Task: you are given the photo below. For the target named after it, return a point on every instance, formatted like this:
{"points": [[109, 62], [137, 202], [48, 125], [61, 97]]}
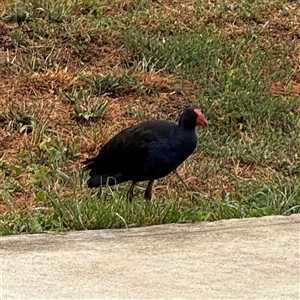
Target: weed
{"points": [[86, 106], [107, 85]]}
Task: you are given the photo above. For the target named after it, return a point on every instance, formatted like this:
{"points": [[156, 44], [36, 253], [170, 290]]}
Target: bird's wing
{"points": [[128, 150]]}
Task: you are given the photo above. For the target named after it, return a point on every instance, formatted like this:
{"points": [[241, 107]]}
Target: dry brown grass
{"points": [[19, 91]]}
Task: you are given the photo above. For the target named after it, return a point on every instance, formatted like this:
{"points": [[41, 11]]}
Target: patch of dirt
{"points": [[292, 89], [5, 40]]}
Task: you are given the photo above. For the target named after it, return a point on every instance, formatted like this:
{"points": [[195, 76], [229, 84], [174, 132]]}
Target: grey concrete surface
{"points": [[254, 258]]}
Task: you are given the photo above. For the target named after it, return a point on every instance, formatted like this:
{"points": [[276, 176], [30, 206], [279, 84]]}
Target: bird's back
{"points": [[149, 150]]}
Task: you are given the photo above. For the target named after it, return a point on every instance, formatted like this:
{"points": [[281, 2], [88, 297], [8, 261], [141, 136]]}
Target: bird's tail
{"points": [[104, 179], [97, 180], [88, 163]]}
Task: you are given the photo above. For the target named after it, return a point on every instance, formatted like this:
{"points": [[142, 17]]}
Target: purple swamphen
{"points": [[146, 151]]}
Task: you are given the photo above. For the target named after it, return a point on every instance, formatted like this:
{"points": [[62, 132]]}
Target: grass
{"points": [[74, 73]]}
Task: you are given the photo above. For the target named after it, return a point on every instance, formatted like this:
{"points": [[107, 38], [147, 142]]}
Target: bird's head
{"points": [[201, 120], [192, 117]]}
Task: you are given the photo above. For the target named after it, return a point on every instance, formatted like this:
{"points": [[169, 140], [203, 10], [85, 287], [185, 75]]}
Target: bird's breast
{"points": [[166, 154]]}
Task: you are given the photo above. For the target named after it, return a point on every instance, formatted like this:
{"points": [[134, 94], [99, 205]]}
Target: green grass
{"points": [[77, 72], [81, 212]]}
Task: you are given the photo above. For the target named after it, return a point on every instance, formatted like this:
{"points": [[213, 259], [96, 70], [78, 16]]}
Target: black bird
{"points": [[146, 151]]}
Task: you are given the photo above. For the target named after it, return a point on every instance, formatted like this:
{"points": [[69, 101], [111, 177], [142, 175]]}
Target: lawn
{"points": [[73, 73]]}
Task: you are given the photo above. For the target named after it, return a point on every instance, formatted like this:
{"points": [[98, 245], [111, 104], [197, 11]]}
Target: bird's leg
{"points": [[130, 192], [148, 192], [175, 171]]}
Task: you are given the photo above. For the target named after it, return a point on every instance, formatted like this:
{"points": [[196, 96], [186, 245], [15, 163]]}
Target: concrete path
{"points": [[233, 259]]}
